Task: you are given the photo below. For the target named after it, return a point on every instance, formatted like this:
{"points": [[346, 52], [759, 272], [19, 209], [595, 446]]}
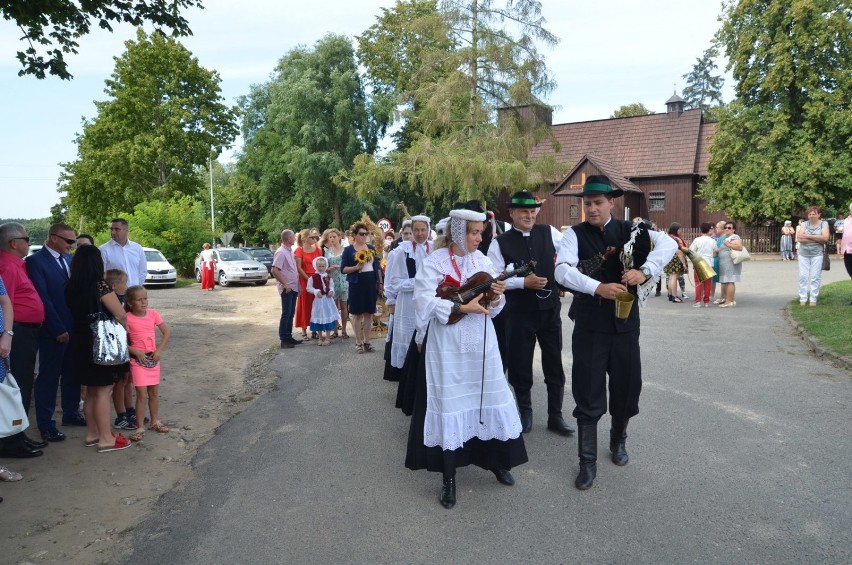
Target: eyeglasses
{"points": [[24, 238], [729, 227], [314, 237], [65, 239], [361, 233]]}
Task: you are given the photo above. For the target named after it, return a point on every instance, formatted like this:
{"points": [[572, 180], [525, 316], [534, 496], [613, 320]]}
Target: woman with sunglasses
{"points": [[308, 250], [729, 273], [365, 283]]}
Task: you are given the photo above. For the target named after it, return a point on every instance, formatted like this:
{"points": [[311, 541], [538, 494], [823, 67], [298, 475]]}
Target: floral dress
{"points": [[341, 286]]}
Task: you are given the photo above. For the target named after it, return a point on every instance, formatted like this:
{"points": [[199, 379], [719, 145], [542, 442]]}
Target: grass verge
{"points": [[181, 282], [830, 322]]}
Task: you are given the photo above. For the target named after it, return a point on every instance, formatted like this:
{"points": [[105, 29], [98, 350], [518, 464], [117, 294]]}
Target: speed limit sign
{"points": [[384, 224]]}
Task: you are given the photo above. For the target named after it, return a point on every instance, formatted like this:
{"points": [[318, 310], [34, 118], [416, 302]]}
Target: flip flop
{"points": [[120, 443], [92, 443]]}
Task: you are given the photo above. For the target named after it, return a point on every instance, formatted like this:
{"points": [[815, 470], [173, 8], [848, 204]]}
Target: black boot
{"points": [[587, 447], [617, 439], [555, 421], [525, 410], [448, 493]]}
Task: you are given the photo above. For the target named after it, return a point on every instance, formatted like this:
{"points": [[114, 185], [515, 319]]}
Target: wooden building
{"points": [[658, 160]]}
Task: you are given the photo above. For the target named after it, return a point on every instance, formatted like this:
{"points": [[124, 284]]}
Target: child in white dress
{"points": [[324, 313]]}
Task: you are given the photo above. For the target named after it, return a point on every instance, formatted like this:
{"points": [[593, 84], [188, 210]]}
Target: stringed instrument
{"points": [[479, 283]]}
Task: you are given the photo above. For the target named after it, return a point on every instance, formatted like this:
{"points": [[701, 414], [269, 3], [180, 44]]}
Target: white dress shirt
{"points": [[496, 256], [567, 260], [129, 257]]}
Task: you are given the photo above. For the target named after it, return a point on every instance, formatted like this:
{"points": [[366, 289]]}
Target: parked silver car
{"points": [[234, 266]]}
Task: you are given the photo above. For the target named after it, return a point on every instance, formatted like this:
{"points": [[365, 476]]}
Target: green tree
{"points": [[485, 60], [703, 88], [785, 142], [164, 114], [177, 227], [58, 24], [304, 128], [631, 110]]}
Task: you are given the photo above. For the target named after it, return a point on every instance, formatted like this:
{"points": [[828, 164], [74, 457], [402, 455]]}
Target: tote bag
{"points": [[13, 417]]}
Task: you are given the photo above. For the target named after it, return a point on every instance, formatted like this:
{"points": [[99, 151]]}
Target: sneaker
{"points": [[121, 422], [707, 305], [131, 423], [131, 413], [697, 305]]}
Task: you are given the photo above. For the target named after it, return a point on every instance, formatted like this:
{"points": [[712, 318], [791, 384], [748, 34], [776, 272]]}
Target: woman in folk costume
{"points": [[464, 411], [399, 275], [390, 374], [324, 313]]}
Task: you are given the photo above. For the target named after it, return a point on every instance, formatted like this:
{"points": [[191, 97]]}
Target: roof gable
{"points": [[617, 179], [640, 146]]}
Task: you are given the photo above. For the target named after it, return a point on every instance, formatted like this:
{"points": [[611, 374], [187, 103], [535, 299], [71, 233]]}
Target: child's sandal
{"points": [[159, 427], [136, 436]]}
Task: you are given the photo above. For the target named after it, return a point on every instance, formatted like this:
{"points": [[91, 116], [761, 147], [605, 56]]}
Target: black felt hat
{"points": [[523, 199], [599, 184]]}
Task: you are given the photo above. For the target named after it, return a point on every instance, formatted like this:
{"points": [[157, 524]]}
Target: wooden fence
{"points": [[756, 239]]}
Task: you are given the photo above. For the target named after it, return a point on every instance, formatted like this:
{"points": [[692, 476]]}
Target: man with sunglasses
{"points": [[28, 318], [50, 269], [532, 310]]}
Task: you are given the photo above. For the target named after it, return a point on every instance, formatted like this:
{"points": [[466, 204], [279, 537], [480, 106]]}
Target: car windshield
{"points": [[154, 256], [233, 255], [260, 253]]}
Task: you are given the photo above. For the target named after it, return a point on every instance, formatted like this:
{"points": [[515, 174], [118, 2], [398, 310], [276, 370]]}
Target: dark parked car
{"points": [[262, 255]]}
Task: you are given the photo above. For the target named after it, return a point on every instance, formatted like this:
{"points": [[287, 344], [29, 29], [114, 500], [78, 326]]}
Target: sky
{"points": [[611, 53]]}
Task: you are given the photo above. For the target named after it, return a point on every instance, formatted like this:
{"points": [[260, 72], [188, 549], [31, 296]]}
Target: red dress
{"points": [[305, 301]]}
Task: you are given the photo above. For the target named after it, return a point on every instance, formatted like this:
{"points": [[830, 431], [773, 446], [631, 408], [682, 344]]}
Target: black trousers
{"points": [[847, 261], [597, 355], [22, 359], [523, 328]]}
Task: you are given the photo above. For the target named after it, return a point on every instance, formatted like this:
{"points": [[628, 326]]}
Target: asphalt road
{"points": [[742, 454]]}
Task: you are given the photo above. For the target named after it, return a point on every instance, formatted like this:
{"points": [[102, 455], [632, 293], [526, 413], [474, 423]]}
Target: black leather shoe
{"points": [[34, 444], [526, 420], [21, 453], [74, 420], [504, 477], [559, 425], [287, 345], [448, 493], [52, 435]]}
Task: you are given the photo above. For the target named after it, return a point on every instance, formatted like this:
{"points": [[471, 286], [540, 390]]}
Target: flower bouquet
{"points": [[364, 256]]}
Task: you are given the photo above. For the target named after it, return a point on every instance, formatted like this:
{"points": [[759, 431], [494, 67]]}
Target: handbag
{"points": [[13, 417], [826, 258], [109, 340], [740, 256]]}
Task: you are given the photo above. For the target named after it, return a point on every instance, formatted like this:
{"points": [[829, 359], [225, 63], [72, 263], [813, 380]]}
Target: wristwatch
{"points": [[10, 332], [646, 271]]}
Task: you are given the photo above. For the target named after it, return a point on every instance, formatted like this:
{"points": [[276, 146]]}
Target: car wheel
{"points": [[197, 275], [223, 279], [261, 283]]}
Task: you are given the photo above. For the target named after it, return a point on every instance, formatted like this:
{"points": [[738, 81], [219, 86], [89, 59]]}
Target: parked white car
{"points": [[160, 271], [234, 266]]}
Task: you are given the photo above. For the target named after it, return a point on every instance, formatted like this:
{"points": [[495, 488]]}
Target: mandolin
{"points": [[480, 283]]}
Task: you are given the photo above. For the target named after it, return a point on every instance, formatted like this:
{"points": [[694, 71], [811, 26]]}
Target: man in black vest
{"points": [[532, 310], [590, 265]]}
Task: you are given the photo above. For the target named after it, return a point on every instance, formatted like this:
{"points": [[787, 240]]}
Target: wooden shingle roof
{"points": [[640, 146]]}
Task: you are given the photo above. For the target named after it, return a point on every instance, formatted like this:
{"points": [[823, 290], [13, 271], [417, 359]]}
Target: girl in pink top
{"points": [[145, 357]]}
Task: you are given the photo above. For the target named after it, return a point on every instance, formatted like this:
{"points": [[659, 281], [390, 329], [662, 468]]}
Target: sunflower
{"points": [[384, 263], [364, 256]]}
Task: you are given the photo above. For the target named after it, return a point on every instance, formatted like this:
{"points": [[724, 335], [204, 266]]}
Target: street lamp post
{"points": [[212, 208]]}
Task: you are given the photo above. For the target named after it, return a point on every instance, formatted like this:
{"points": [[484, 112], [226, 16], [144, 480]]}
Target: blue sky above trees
{"points": [[611, 53]]}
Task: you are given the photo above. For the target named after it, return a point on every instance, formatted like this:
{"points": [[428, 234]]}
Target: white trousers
{"points": [[810, 277]]}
